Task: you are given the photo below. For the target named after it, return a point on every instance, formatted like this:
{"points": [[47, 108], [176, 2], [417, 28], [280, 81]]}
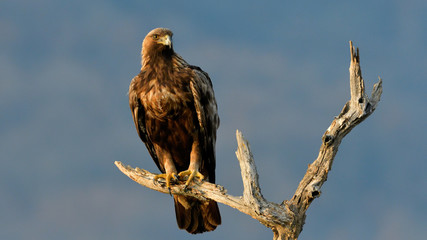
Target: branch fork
{"points": [[287, 218]]}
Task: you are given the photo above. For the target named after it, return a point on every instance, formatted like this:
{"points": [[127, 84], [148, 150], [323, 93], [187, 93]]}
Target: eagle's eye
{"points": [[155, 36]]}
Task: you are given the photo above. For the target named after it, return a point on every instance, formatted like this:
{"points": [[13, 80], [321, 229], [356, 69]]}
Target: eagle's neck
{"points": [[158, 61]]}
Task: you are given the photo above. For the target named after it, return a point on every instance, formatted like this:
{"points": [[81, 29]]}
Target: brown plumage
{"points": [[175, 114]]}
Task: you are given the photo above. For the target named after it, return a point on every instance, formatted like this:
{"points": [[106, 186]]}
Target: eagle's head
{"points": [[157, 41]]}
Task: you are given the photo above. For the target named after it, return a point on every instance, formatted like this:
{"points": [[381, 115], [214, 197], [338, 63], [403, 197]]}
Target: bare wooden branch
{"points": [[358, 108], [251, 190], [286, 219], [202, 191]]}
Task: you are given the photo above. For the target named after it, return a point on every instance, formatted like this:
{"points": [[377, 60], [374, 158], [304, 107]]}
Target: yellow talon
{"points": [[167, 177], [191, 175]]}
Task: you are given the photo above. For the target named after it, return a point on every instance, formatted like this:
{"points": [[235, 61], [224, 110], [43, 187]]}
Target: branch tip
{"points": [[377, 92], [354, 52]]}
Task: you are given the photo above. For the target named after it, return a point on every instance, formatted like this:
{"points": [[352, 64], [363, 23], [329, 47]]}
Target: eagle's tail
{"points": [[196, 216]]}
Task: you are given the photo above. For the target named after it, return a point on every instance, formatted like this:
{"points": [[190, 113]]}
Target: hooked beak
{"points": [[166, 40]]}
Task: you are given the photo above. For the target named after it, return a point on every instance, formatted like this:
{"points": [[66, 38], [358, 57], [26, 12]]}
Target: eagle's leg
{"points": [[193, 170], [171, 173]]}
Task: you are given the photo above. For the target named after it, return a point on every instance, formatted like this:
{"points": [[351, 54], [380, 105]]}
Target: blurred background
{"points": [[280, 74]]}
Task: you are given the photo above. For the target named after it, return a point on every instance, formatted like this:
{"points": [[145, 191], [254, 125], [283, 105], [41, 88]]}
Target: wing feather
{"points": [[138, 114], [207, 115]]}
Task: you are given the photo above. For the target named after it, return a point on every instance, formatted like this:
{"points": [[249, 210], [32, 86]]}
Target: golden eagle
{"points": [[175, 114]]}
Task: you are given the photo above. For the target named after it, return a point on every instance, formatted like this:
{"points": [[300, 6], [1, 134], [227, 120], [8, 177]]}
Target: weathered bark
{"points": [[287, 218]]}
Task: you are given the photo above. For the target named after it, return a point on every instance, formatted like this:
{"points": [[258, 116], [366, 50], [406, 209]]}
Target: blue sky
{"points": [[280, 73]]}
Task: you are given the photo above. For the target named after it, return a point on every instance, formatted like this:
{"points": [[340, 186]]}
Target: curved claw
{"points": [[191, 175], [167, 177]]}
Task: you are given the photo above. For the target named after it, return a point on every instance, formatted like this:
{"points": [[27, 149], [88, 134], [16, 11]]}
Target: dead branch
{"points": [[287, 218]]}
